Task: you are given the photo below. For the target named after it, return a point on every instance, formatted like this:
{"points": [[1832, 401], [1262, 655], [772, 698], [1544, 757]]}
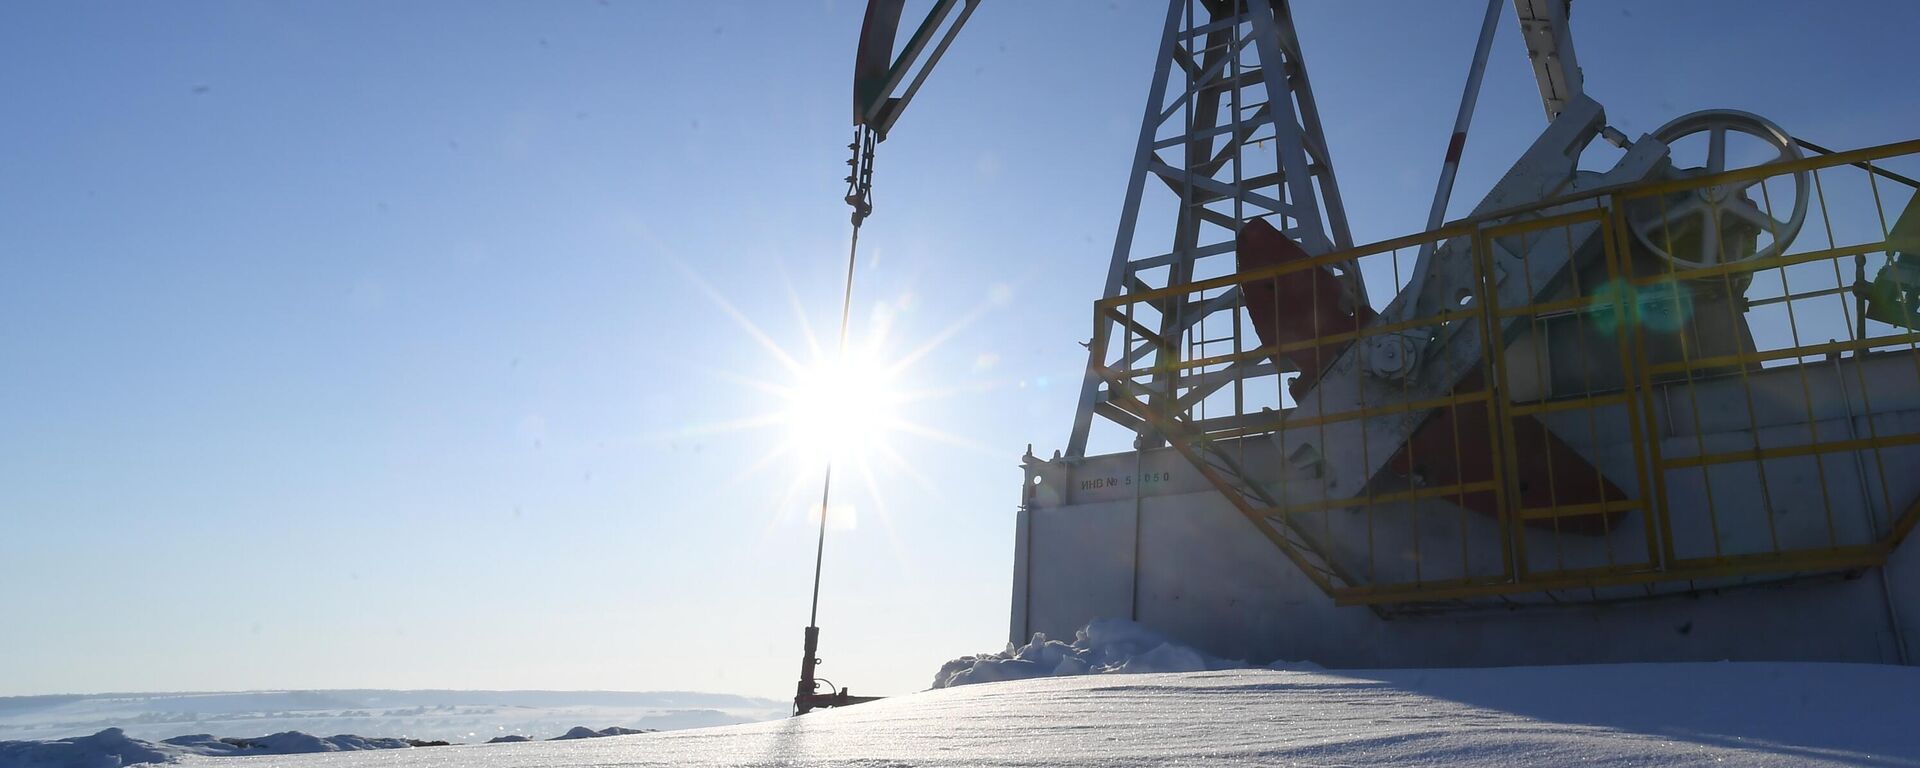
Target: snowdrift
{"points": [[112, 748], [1105, 646], [583, 732], [287, 743]]}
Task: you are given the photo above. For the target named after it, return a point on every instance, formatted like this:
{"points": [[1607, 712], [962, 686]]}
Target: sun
{"points": [[845, 408], [842, 409]]}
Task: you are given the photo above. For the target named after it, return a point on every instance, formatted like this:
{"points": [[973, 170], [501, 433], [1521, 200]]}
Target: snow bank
{"points": [[112, 748], [1105, 646], [286, 743], [583, 732]]}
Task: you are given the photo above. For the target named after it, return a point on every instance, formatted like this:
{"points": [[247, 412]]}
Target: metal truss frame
{"points": [[1231, 129], [1291, 510]]}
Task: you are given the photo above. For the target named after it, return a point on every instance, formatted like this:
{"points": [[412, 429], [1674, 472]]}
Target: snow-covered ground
{"points": [[1122, 695], [1612, 715]]}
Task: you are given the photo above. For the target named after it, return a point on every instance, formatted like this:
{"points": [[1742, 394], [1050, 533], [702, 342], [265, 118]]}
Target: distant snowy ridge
{"points": [[444, 715], [285, 743], [1105, 646], [112, 748], [583, 732]]}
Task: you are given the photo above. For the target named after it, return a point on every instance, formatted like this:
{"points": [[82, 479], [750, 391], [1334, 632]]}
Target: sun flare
{"points": [[842, 410], [855, 409]]}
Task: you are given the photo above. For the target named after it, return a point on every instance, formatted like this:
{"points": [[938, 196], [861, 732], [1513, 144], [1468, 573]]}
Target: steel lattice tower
{"points": [[1232, 132]]}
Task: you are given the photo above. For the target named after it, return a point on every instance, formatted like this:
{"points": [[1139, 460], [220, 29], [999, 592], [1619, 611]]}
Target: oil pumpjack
{"points": [[1618, 412], [883, 83], [1616, 381]]}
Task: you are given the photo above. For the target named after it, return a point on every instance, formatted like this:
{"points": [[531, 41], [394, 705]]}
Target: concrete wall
{"points": [[1206, 577], [1143, 536]]}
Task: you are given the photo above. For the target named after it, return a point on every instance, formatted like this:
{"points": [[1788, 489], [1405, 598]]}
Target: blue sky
{"points": [[386, 345]]}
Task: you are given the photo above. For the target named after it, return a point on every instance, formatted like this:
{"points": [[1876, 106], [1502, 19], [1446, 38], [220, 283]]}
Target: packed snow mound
{"points": [[297, 743], [112, 748], [1105, 646], [583, 732]]}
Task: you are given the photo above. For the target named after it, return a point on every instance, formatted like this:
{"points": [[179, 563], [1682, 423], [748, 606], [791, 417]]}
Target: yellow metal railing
{"points": [[1645, 419]]}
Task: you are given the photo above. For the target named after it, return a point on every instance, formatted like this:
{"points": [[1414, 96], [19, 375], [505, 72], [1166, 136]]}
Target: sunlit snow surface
{"points": [[1614, 715]]}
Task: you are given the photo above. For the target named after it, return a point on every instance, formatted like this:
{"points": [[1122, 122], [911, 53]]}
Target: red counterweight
{"points": [[1454, 446], [1295, 307]]}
